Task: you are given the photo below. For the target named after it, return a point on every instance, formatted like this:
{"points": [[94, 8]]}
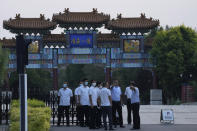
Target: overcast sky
{"points": [[169, 12]]}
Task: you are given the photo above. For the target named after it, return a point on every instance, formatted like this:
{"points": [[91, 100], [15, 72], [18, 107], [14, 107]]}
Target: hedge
{"points": [[38, 116]]}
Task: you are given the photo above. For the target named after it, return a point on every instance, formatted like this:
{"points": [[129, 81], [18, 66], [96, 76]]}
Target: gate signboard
{"points": [[81, 41]]}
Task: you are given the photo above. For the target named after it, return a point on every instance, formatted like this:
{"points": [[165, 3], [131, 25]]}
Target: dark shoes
{"points": [[111, 128], [121, 126], [134, 128]]}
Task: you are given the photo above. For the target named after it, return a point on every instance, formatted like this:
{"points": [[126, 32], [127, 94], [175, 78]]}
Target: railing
{"points": [[5, 99], [53, 103], [50, 100]]}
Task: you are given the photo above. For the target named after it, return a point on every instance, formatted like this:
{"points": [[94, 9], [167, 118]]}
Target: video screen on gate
{"points": [[131, 46]]}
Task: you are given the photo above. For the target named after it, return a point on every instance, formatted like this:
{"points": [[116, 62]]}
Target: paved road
{"points": [[145, 127]]}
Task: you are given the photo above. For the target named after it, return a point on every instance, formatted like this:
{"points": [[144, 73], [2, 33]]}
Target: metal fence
{"points": [[5, 100], [50, 100], [53, 103]]}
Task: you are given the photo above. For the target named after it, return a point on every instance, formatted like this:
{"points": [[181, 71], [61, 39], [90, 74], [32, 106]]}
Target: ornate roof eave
{"points": [[30, 31], [29, 25], [54, 38], [131, 31], [8, 43], [132, 25], [80, 25], [92, 19]]}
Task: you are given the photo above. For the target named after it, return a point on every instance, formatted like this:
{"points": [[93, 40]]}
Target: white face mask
{"points": [[94, 84], [64, 85], [100, 87], [86, 83]]}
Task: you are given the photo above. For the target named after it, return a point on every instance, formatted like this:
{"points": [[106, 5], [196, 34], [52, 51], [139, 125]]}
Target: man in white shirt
{"points": [[116, 103], [93, 96], [99, 110], [135, 103], [84, 102], [128, 92], [106, 105], [78, 107], [64, 95]]}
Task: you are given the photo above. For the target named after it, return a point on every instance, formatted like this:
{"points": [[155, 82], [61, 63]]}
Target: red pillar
{"points": [[108, 75], [154, 80], [55, 79]]}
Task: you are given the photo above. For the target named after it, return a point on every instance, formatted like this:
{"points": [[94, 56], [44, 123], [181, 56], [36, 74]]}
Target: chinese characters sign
{"points": [[81, 40]]}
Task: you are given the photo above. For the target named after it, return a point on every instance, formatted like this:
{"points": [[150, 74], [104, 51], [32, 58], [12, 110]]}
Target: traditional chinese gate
{"points": [[81, 43]]}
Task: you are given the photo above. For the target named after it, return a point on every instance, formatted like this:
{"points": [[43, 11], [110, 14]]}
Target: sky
{"points": [[169, 12]]}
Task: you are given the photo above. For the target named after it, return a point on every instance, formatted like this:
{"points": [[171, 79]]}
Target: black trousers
{"points": [[136, 116], [78, 111], [129, 108], [93, 113], [107, 112], [98, 117], [84, 114], [116, 106], [61, 111]]}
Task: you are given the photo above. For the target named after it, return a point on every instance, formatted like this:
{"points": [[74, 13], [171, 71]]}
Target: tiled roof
{"points": [[81, 17], [108, 37], [8, 43], [29, 23], [58, 38], [132, 23]]}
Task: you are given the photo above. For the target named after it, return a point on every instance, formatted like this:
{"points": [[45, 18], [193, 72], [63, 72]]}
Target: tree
{"points": [[39, 83], [3, 63], [173, 54], [94, 72], [73, 73]]}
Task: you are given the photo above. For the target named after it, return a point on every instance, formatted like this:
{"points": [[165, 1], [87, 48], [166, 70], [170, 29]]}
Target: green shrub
{"points": [[38, 116]]}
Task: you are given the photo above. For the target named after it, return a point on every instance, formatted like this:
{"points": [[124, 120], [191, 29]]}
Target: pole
{"points": [[23, 101], [108, 66], [22, 60]]}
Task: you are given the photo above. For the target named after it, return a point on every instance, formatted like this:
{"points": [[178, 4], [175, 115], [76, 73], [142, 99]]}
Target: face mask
{"points": [[93, 84], [81, 84], [100, 87], [86, 83], [64, 85]]}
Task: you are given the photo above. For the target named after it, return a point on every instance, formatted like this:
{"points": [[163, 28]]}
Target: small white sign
{"points": [[167, 115]]}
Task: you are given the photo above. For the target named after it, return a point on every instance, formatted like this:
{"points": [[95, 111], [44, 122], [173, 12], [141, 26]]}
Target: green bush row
{"points": [[38, 116]]}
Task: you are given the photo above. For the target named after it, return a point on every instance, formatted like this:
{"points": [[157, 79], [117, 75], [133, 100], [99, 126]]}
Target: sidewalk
{"points": [[150, 114], [127, 128]]}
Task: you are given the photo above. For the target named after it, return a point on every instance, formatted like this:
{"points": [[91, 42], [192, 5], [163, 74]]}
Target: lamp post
{"points": [[22, 61]]}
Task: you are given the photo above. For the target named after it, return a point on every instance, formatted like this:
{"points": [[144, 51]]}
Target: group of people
{"points": [[99, 101]]}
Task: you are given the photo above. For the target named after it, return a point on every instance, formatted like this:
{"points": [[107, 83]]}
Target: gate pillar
{"points": [[55, 79], [108, 66], [154, 79]]}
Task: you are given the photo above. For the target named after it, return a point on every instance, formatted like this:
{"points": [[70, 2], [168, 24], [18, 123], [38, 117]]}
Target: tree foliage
{"points": [[3, 63], [39, 83], [74, 73], [173, 54]]}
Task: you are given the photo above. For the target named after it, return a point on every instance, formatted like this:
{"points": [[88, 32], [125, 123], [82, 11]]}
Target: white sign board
{"points": [[167, 115]]}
